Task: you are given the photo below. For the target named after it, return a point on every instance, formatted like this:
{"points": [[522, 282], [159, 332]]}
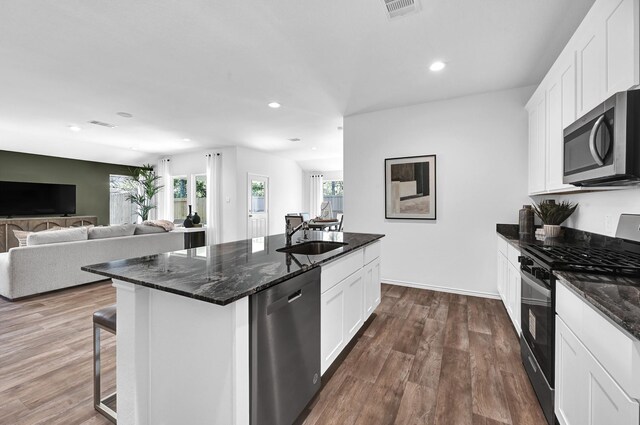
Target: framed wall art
{"points": [[410, 187]]}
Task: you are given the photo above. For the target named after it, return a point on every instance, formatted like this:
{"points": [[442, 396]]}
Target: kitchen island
{"points": [[183, 341]]}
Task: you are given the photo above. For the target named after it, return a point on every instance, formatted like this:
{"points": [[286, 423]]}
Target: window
{"points": [[121, 210], [257, 196], [332, 191], [201, 197], [180, 198]]}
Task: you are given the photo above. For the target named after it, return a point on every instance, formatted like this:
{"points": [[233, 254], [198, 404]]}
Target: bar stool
{"points": [[104, 319]]}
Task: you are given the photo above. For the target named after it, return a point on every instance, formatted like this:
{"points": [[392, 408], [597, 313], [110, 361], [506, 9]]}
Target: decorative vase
{"points": [[188, 222], [551, 230], [526, 222], [196, 218]]}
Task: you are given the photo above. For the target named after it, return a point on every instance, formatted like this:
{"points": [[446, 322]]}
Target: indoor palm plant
{"points": [[141, 189], [553, 215]]}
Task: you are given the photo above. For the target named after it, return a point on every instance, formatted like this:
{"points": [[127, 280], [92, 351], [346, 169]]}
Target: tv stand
{"points": [[36, 224]]}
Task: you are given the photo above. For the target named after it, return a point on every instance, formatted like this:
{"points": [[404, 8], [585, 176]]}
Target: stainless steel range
{"points": [[537, 264]]}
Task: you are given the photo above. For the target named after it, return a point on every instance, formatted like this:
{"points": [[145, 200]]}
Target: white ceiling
{"points": [[205, 70]]}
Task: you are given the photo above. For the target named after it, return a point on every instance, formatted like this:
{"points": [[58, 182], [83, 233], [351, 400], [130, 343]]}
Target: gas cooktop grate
{"points": [[588, 259]]}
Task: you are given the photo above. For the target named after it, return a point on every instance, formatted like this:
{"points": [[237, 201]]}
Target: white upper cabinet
{"points": [[622, 36], [602, 58]]}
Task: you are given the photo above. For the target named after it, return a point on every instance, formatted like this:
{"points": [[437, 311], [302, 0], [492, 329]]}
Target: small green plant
{"points": [[552, 213]]}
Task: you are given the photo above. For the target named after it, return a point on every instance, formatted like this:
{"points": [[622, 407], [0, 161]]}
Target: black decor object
{"points": [[526, 222], [196, 218], [188, 222]]}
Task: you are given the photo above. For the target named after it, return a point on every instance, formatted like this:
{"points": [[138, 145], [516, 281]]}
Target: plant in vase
{"points": [[553, 215]]}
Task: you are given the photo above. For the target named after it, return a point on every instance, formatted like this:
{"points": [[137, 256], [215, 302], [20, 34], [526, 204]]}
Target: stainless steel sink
{"points": [[312, 247]]}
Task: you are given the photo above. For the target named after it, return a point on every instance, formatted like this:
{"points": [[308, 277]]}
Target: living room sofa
{"points": [[30, 270]]}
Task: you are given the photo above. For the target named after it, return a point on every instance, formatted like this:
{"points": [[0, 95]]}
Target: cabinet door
{"points": [[590, 65], [332, 324], [500, 279], [537, 145], [621, 45], [608, 403], [571, 382], [555, 145], [353, 304], [585, 392], [514, 295], [371, 287]]}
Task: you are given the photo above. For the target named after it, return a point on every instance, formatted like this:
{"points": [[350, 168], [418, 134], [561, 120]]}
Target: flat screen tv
{"points": [[17, 198]]}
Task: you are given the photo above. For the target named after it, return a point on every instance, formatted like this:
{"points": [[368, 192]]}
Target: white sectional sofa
{"points": [[36, 269]]}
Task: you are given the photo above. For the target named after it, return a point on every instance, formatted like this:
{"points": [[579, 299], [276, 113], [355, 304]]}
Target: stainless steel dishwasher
{"points": [[285, 349]]}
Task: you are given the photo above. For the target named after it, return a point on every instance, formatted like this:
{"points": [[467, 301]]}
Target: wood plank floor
{"points": [[430, 358], [425, 358]]}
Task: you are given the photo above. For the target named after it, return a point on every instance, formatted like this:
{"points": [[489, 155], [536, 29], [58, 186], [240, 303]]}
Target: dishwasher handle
{"points": [[284, 301]]}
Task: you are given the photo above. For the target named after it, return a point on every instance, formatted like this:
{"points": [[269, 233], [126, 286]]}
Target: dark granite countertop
{"points": [[616, 297], [224, 273]]}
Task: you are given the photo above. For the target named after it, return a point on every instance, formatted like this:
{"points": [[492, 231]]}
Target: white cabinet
{"points": [[509, 281], [585, 392], [601, 58], [354, 304], [596, 366], [371, 287], [350, 292], [537, 145]]}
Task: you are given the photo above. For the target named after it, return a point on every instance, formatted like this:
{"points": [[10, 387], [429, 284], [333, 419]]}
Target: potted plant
{"points": [[141, 188], [553, 215]]}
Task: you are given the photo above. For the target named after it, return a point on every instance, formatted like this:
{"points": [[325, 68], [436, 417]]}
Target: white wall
{"points": [[595, 207], [285, 187], [481, 147]]}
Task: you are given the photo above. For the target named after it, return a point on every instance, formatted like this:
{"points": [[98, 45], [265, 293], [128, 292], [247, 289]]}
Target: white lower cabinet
{"points": [[585, 392], [509, 281], [596, 366], [371, 287], [350, 293]]}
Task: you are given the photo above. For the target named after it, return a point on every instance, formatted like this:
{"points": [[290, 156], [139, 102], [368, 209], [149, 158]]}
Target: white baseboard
{"points": [[494, 296]]}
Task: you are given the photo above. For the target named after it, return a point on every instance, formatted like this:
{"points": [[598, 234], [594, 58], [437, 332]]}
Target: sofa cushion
{"points": [[143, 229], [22, 235], [104, 232], [64, 235]]}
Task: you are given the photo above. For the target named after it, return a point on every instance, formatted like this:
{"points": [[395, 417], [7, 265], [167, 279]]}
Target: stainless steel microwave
{"points": [[603, 147]]}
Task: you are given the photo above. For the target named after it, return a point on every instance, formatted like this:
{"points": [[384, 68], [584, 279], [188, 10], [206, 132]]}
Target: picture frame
{"points": [[410, 187]]}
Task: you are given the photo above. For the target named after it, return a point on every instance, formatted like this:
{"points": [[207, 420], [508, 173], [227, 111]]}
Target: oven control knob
{"points": [[524, 260]]}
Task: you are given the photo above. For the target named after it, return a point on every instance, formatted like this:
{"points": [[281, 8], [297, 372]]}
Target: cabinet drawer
{"points": [[513, 253], [338, 270], [371, 252], [617, 352]]}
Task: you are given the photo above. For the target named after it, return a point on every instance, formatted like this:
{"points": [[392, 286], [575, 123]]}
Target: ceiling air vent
{"points": [[398, 8], [104, 124]]}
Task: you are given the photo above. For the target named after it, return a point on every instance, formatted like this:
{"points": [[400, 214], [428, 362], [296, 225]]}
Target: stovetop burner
{"points": [[587, 259]]}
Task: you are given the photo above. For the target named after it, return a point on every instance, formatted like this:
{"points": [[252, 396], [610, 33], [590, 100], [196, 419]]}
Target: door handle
{"points": [[592, 141], [295, 295]]}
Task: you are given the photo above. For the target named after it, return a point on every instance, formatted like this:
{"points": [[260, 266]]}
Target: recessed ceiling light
{"points": [[186, 140], [125, 114], [274, 105], [437, 66], [314, 148], [74, 128]]}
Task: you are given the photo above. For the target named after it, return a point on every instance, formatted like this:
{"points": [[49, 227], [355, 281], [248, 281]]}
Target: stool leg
{"points": [[96, 366]]}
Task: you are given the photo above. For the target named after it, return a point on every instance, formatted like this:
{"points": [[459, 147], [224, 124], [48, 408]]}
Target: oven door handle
{"points": [[539, 287], [592, 141]]}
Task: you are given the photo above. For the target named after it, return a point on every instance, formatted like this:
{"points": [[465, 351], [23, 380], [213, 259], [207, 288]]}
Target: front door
{"points": [[258, 202]]}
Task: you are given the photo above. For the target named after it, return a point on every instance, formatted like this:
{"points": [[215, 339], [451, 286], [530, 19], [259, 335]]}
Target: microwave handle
{"points": [[592, 141]]}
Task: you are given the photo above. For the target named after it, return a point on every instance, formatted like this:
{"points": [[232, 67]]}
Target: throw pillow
{"points": [[22, 235], [63, 235], [104, 232], [143, 229]]}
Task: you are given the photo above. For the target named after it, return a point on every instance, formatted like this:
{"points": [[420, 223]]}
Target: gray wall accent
{"points": [[91, 178]]}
